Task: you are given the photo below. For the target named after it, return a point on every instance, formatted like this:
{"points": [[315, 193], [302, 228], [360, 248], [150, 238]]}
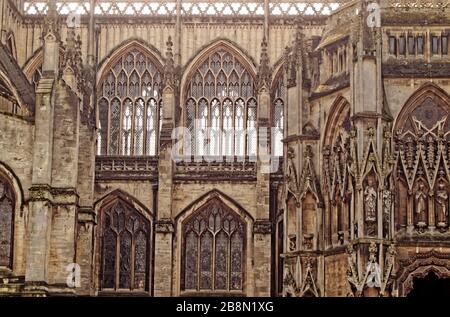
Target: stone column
{"points": [[164, 228]]}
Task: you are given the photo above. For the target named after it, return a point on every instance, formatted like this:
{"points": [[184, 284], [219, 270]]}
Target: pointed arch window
{"points": [[7, 200], [125, 248], [226, 88], [213, 250], [130, 106], [278, 97]]}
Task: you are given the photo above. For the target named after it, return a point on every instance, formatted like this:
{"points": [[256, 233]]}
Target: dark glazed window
{"points": [[435, 45], [125, 246], [7, 200], [213, 250], [420, 44], [445, 45], [402, 45], [411, 45], [392, 45]]}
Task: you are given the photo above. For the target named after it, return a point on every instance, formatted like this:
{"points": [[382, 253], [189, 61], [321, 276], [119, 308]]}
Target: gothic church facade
{"points": [[232, 148]]}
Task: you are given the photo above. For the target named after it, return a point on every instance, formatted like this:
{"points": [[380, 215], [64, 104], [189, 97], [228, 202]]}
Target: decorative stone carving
{"points": [[164, 226], [421, 202], [262, 226], [441, 206], [264, 76]]}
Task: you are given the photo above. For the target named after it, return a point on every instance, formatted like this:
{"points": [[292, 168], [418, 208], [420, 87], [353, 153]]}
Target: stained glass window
{"points": [[129, 106], [219, 94], [7, 200], [213, 250], [125, 245]]}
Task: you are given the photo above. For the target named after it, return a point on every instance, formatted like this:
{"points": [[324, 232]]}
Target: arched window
{"points": [[213, 250], [278, 102], [221, 107], [7, 200], [422, 143], [130, 106], [125, 248]]}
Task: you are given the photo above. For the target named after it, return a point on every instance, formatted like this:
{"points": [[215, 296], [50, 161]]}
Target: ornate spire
{"points": [[51, 23], [264, 71], [169, 67]]}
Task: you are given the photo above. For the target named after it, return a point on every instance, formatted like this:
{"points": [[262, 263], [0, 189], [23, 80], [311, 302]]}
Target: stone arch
{"points": [[203, 53], [230, 207], [427, 91], [130, 268], [117, 52], [419, 265], [338, 116], [129, 89], [421, 136], [11, 227]]}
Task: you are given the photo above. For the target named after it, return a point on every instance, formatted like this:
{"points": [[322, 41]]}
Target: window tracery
{"points": [[221, 107], [130, 106], [7, 200], [125, 248], [213, 250]]}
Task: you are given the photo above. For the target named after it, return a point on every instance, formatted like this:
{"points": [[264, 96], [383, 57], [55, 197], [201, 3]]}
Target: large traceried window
{"points": [[221, 107], [130, 106], [278, 98], [213, 250], [7, 200], [125, 249]]}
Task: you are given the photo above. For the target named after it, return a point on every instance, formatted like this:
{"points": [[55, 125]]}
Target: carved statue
{"points": [[441, 206], [370, 201], [387, 203], [421, 206]]}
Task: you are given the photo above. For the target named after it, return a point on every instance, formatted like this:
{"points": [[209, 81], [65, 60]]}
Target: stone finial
{"points": [[169, 67], [51, 21], [264, 71]]}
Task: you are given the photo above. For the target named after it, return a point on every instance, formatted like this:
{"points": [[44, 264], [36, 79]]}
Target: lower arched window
{"points": [[125, 248], [213, 250], [7, 200]]}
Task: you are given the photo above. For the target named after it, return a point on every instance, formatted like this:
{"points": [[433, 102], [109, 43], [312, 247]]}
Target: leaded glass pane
{"points": [[251, 128], [206, 262], [139, 128], [239, 140], [236, 261], [222, 77], [221, 261], [6, 223], [227, 128], [191, 254], [126, 127], [151, 127], [115, 127], [140, 261], [278, 128], [126, 241], [213, 242], [134, 80], [215, 131], [109, 254], [103, 127]]}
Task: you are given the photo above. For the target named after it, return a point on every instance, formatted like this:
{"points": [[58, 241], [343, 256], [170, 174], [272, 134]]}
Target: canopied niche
{"points": [[422, 142], [338, 183]]}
